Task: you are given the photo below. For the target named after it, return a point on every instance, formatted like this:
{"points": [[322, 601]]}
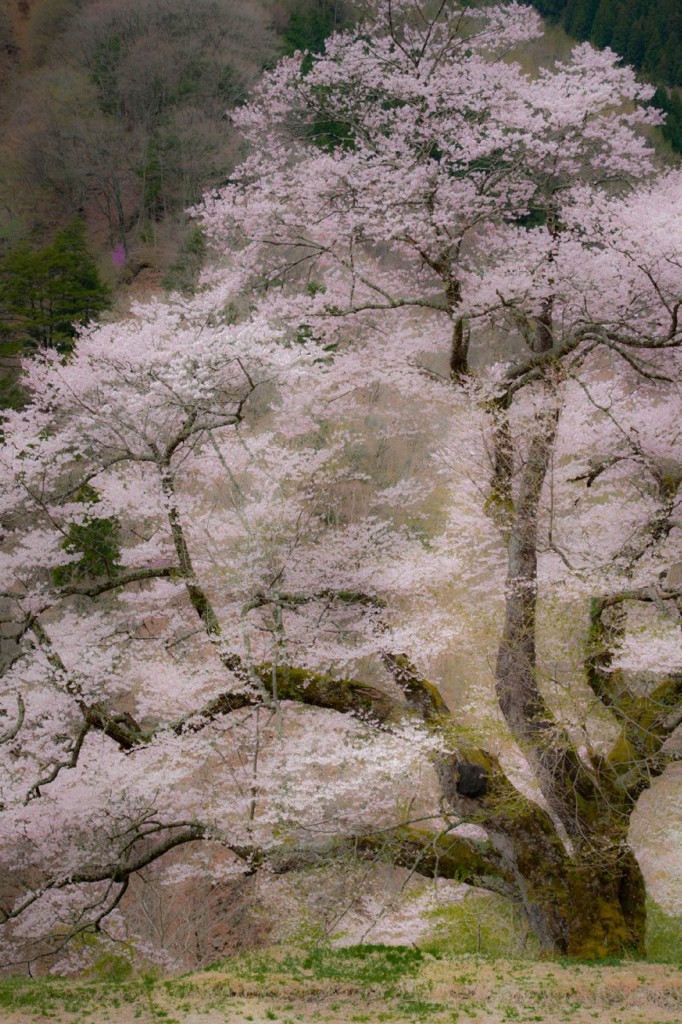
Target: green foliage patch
{"points": [[663, 936], [368, 964], [670, 102], [96, 540], [484, 924], [183, 273], [364, 966], [46, 294], [310, 25]]}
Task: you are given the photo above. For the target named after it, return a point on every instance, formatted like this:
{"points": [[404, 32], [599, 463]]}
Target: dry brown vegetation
{"points": [[291, 988]]}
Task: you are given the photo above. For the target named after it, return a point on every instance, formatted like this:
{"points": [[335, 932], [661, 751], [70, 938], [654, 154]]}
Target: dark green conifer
{"points": [[46, 294]]}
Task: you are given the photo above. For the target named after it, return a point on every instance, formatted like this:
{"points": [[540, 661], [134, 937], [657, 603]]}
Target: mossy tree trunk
{"points": [[587, 907], [606, 915], [578, 882]]}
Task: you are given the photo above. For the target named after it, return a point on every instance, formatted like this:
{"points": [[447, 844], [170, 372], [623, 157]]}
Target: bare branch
{"points": [[123, 579]]}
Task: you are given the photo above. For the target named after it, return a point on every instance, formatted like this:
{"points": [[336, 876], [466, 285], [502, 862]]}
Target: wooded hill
{"points": [[646, 33], [117, 111], [112, 123]]}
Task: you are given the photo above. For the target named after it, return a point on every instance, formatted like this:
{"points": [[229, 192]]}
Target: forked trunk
{"points": [[589, 904]]}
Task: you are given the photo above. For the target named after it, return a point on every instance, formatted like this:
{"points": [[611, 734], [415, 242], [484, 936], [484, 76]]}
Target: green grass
{"points": [[663, 936], [484, 924], [414, 1006], [364, 965], [46, 995], [367, 964], [54, 996], [407, 982]]}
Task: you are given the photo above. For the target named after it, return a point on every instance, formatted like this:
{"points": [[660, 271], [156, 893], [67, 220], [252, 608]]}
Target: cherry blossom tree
{"points": [[166, 495], [425, 411]]}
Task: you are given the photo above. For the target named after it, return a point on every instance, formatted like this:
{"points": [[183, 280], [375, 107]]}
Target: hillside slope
{"points": [[646, 33]]}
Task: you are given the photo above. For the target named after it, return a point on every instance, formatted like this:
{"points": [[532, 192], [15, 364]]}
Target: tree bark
{"points": [[588, 903], [459, 351], [602, 912], [590, 912]]}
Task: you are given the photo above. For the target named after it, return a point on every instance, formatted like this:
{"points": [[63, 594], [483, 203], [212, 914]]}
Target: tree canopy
{"points": [[420, 425]]}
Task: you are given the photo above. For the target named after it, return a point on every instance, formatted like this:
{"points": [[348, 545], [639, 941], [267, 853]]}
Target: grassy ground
{"points": [[360, 984]]}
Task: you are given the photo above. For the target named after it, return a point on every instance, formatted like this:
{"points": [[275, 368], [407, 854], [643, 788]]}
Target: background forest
{"points": [[113, 114], [646, 33]]}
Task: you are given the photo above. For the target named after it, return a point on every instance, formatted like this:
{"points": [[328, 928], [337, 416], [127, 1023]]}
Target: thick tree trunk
{"points": [[598, 911], [589, 903], [608, 910], [586, 905], [590, 920]]}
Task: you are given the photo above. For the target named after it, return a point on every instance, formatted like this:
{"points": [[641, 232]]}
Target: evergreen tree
{"points": [[620, 39], [604, 23], [671, 59], [636, 46], [552, 9], [671, 104], [579, 17], [652, 46], [46, 294]]}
